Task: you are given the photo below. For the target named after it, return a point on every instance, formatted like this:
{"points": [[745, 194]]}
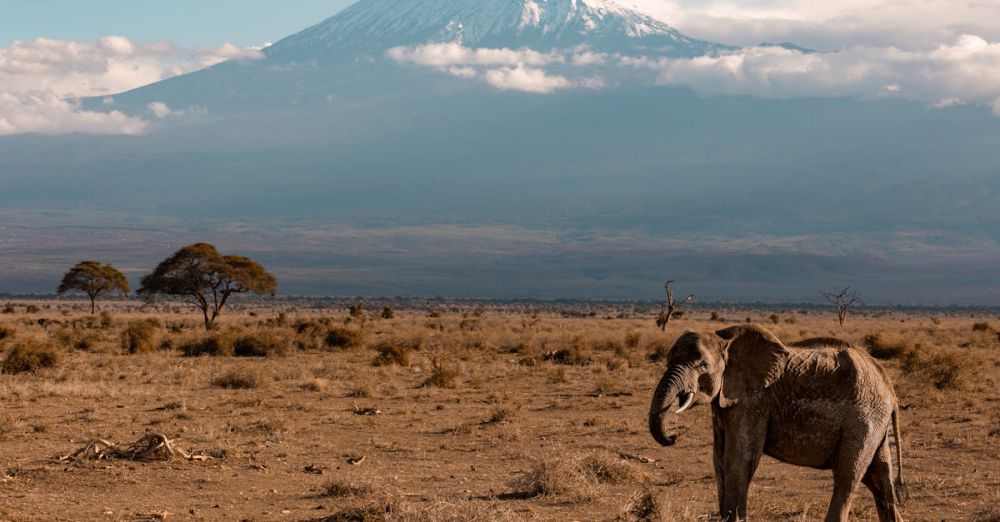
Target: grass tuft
{"points": [[29, 356], [262, 344], [140, 337], [340, 337], [241, 379]]}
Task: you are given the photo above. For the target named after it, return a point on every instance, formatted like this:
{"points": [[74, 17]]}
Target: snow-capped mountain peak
{"points": [[374, 25]]}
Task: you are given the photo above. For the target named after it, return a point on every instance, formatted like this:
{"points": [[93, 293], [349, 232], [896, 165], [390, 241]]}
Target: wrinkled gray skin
{"points": [[826, 407]]}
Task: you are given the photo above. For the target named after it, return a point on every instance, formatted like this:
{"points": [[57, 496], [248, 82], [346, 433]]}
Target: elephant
{"points": [[825, 407]]}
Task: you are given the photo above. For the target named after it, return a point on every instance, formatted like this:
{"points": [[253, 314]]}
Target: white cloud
{"points": [[46, 113], [965, 71], [36, 76], [525, 79], [161, 110], [448, 54], [909, 24], [505, 69]]}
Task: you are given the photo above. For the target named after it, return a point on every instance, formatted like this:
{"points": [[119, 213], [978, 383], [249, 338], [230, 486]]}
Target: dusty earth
{"points": [[511, 428]]}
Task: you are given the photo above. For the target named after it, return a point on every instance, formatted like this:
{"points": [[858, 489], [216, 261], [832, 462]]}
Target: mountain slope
{"points": [[749, 197]]}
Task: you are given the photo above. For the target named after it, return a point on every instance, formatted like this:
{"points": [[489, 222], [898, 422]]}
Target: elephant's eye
{"points": [[704, 365]]}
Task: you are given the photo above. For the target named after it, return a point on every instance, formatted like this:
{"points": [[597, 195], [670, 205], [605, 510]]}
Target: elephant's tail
{"points": [[902, 493]]}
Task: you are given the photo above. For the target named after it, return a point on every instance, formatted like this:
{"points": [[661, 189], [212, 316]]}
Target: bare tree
{"points": [[843, 300], [670, 308]]}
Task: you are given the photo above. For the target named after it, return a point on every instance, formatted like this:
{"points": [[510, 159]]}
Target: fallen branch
{"points": [[152, 447]]}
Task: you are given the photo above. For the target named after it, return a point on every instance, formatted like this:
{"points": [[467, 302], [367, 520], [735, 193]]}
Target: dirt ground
{"points": [[496, 415]]}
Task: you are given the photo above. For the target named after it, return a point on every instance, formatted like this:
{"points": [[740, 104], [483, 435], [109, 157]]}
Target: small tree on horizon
{"points": [[94, 279], [843, 300], [207, 278], [670, 307]]}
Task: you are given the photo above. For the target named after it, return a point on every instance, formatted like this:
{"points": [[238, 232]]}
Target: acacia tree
{"points": [[93, 279], [842, 300], [201, 274], [670, 307]]}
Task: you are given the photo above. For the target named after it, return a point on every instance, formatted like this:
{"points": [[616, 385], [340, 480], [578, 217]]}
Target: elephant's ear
{"points": [[755, 358]]}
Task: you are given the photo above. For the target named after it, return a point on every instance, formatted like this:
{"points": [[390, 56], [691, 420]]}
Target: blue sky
{"points": [[190, 23]]}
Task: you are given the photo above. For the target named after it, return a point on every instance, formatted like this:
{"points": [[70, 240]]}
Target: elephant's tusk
{"points": [[687, 399]]}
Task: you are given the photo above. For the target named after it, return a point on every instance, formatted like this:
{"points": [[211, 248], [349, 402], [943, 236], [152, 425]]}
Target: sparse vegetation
{"points": [[335, 437], [342, 337], [29, 356], [239, 379], [879, 348], [218, 345], [339, 488], [443, 374], [140, 336], [392, 351], [946, 370], [268, 343]]}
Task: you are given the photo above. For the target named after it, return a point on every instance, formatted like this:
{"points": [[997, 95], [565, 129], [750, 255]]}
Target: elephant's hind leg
{"points": [[850, 465], [878, 479]]}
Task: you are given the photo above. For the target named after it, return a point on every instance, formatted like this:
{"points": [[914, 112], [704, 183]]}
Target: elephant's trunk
{"points": [[663, 398]]}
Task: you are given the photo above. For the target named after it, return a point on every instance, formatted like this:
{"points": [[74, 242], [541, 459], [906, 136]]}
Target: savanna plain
{"points": [[440, 412]]}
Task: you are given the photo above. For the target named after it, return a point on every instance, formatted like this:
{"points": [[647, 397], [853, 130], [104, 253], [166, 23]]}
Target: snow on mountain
{"points": [[376, 25]]}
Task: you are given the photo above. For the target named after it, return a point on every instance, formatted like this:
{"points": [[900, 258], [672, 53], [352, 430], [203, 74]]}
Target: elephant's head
{"points": [[742, 361]]}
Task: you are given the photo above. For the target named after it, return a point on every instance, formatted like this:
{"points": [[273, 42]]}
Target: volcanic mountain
{"points": [[504, 148]]}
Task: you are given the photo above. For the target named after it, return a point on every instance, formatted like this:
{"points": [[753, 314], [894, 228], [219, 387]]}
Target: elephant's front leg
{"points": [[744, 446], [718, 459]]}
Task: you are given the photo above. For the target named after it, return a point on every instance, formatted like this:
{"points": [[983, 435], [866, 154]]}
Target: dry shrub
{"points": [[981, 327], [501, 416], [986, 514], [443, 375], [610, 470], [880, 348], [315, 385], [658, 350], [574, 354], [945, 370], [240, 379], [339, 337], [381, 509], [774, 318], [559, 477], [339, 488], [362, 392], [218, 345], [6, 334], [632, 340], [107, 320], [268, 343], [139, 337], [392, 351], [643, 507], [29, 356], [32, 309]]}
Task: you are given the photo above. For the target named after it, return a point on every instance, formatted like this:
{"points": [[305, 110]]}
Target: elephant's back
{"points": [[824, 394], [843, 373]]}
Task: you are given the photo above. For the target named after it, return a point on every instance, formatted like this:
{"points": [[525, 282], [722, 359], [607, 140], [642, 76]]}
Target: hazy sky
{"points": [[188, 23]]}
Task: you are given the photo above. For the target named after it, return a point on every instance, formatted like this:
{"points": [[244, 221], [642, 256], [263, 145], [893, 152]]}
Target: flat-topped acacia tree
{"points": [[206, 277], [93, 279]]}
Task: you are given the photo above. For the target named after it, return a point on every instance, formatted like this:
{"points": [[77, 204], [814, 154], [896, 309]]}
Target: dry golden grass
{"points": [[484, 414]]}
